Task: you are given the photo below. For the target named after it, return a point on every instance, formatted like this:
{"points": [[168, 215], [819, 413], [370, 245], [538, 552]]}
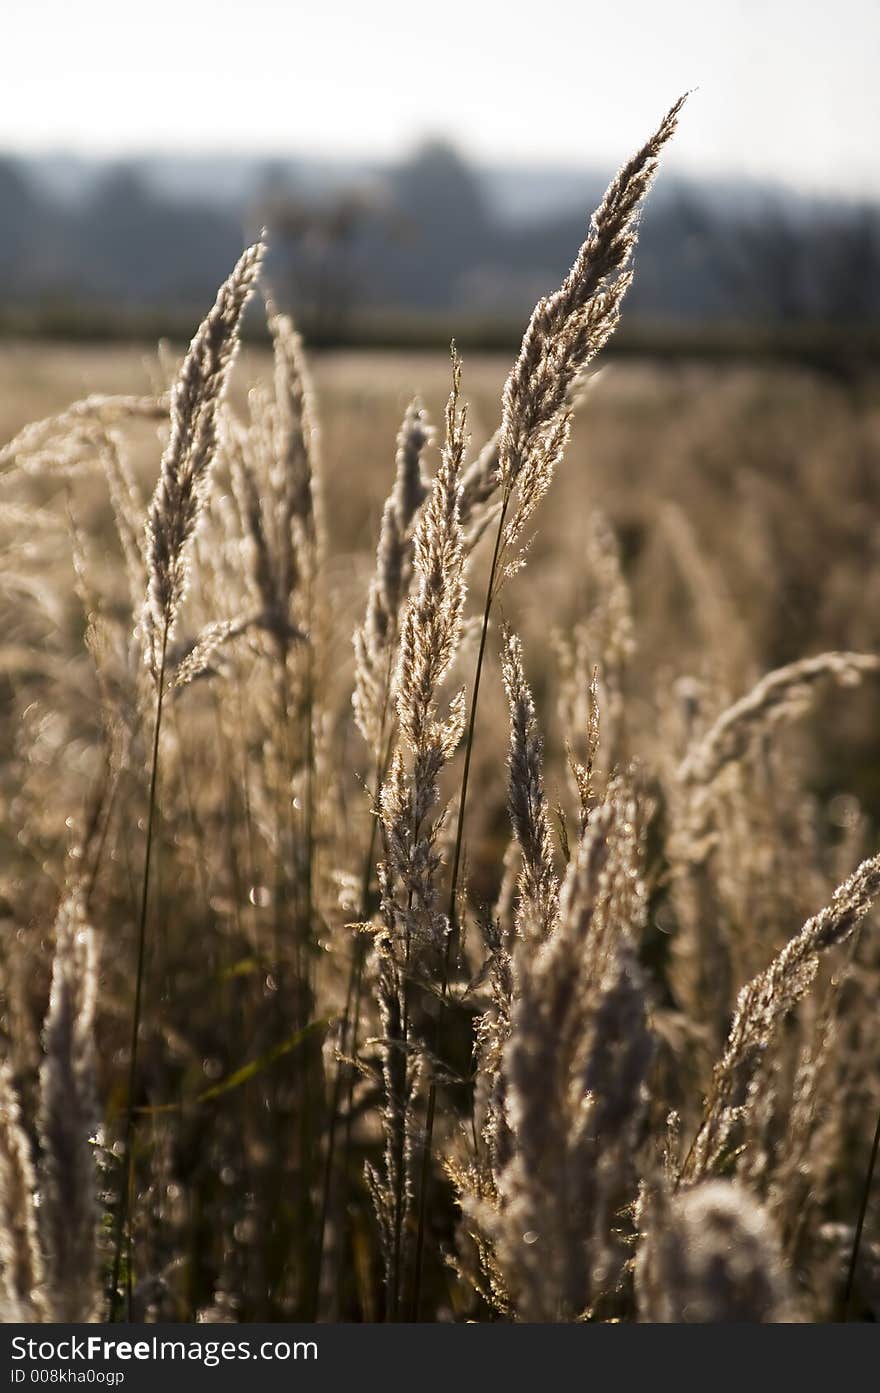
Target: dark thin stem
{"points": [[231, 820], [285, 826], [313, 1095], [351, 1014], [452, 911], [353, 1049], [123, 1212], [349, 1018], [462, 806], [423, 1193], [863, 1210], [331, 1146], [400, 1138], [108, 809], [393, 1313], [399, 1154], [201, 855]]}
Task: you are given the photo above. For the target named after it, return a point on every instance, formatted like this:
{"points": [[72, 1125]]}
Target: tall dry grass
{"points": [[347, 1016]]}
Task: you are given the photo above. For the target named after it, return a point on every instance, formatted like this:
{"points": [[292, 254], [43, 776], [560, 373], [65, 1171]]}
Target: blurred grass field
{"points": [[735, 490], [768, 466], [743, 498]]}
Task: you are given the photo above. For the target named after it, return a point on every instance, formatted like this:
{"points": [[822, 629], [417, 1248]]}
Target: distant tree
{"points": [[22, 217], [848, 254], [437, 188], [445, 226], [136, 247]]}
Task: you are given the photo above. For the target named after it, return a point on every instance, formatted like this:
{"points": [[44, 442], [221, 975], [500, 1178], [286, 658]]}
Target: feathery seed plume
{"points": [[566, 331], [539, 886], [189, 453], [375, 640], [762, 1006]]}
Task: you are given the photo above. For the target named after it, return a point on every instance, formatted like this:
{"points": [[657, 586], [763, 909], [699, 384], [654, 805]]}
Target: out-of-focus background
{"points": [[424, 171]]}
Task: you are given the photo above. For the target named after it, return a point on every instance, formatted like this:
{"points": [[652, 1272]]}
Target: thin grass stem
{"points": [[123, 1213], [860, 1225]]}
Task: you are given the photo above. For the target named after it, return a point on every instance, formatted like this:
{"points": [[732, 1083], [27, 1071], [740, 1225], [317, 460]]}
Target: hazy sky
{"points": [[787, 88]]}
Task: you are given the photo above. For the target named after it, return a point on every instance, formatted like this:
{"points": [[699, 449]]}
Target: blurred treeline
{"points": [[384, 253]]}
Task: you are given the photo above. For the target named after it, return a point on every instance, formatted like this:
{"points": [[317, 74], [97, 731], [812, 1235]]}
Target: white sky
{"points": [[787, 88]]}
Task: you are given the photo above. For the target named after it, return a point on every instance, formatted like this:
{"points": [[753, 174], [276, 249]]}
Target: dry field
{"points": [[292, 1028]]}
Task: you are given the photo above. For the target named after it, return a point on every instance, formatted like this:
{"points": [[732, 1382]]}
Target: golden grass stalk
{"points": [[779, 695], [527, 805], [567, 1050], [66, 1120], [178, 499], [761, 1008], [566, 331], [429, 637], [60, 441], [189, 453], [375, 641], [21, 1257], [49, 1214], [374, 702]]}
